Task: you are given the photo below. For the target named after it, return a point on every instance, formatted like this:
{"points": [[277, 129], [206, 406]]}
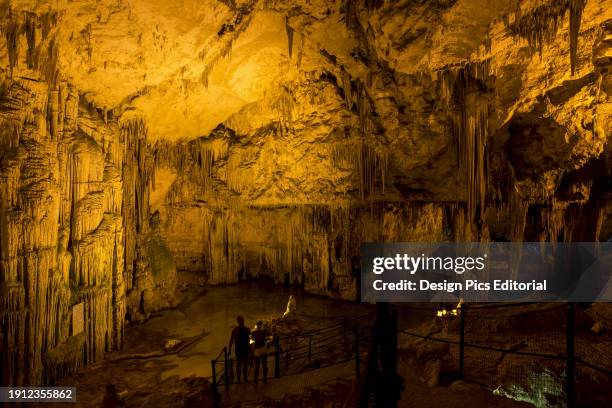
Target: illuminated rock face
{"points": [[62, 232], [73, 230], [271, 138]]}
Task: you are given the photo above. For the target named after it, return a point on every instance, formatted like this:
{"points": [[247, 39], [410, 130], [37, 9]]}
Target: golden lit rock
{"points": [[243, 139]]}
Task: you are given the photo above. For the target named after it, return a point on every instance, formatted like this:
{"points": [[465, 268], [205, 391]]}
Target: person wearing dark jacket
{"points": [[241, 338], [261, 337]]}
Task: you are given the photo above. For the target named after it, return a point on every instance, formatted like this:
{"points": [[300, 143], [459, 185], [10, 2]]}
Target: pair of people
{"points": [[241, 338]]}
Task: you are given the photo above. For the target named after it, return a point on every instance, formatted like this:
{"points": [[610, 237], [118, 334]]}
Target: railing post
{"points": [[571, 358], [287, 361], [276, 357], [462, 339], [394, 377], [225, 370], [213, 364], [357, 370], [310, 349]]}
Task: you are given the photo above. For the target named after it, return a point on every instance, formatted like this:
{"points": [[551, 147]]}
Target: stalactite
{"points": [[137, 173], [284, 105], [221, 47], [49, 63], [193, 160], [539, 26], [48, 21], [363, 109], [506, 200], [576, 7], [138, 169], [312, 245], [459, 222], [370, 163], [9, 135], [11, 34], [569, 222], [460, 89], [237, 175], [362, 154], [347, 88], [552, 221], [517, 210], [53, 118], [369, 159], [61, 225], [289, 37], [30, 31], [41, 54], [350, 13], [28, 235]]}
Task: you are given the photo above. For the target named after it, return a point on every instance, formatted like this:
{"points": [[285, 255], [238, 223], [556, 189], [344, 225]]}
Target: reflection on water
{"points": [[214, 310]]}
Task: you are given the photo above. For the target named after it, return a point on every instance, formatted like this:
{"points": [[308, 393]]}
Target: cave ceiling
{"points": [[264, 68]]}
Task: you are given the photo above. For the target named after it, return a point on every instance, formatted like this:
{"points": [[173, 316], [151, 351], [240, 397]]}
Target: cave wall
{"points": [[62, 232], [500, 121], [74, 221], [313, 246], [75, 229]]}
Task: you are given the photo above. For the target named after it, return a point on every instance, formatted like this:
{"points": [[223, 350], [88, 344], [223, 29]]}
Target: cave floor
{"points": [[202, 322], [144, 374]]}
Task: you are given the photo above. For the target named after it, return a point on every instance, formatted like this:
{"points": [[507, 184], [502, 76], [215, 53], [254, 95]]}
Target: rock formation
{"points": [[243, 138]]}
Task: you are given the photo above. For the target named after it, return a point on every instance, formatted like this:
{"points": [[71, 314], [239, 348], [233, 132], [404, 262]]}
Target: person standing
{"points": [[261, 337], [241, 337]]}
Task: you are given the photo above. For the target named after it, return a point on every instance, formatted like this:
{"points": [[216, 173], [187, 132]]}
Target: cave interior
{"points": [[167, 165]]}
